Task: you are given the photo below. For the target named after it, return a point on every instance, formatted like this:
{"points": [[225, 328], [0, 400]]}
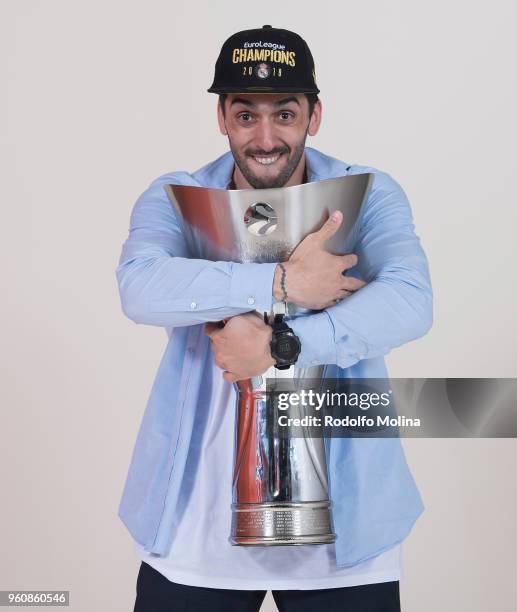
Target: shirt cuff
{"points": [[252, 286], [316, 334]]}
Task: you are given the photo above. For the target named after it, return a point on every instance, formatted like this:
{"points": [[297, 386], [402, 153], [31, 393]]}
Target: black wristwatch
{"points": [[285, 344]]}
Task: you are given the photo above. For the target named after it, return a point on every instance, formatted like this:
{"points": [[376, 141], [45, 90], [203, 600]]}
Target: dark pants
{"points": [[155, 593]]}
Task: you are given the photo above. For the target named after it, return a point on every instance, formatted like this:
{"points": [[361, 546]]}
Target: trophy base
{"points": [[281, 524]]}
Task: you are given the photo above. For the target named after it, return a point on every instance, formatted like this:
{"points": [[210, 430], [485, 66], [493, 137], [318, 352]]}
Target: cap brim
{"points": [[271, 90]]}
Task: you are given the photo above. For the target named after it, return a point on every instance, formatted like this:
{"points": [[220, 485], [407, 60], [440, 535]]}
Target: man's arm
{"points": [[396, 304], [160, 285]]}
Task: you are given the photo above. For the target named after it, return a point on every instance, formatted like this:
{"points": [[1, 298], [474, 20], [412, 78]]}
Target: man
{"points": [[176, 501]]}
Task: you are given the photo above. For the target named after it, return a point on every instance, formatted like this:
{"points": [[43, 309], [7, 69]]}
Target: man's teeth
{"points": [[265, 161]]}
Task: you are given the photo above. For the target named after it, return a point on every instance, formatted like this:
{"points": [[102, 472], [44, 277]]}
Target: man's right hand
{"points": [[314, 277]]}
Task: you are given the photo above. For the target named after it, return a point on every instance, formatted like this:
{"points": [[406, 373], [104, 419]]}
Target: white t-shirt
{"points": [[201, 554]]}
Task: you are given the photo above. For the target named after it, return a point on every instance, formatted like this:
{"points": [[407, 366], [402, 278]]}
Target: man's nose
{"points": [[264, 136]]}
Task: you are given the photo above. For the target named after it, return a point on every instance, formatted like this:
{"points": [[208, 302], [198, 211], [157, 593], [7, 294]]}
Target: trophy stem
{"points": [[280, 487]]}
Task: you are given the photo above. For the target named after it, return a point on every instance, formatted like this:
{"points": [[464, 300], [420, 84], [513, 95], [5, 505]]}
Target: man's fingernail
{"points": [[335, 215]]}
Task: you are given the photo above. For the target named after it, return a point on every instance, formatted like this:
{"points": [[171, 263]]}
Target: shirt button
{"points": [[193, 305], [251, 300], [361, 356]]}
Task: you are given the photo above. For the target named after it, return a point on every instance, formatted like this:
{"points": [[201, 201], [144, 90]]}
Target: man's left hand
{"points": [[241, 348]]}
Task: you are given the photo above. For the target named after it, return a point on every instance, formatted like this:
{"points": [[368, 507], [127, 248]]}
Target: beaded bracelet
{"points": [[282, 282]]}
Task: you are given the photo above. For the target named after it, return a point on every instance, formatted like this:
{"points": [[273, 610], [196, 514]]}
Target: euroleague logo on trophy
{"points": [[260, 219]]}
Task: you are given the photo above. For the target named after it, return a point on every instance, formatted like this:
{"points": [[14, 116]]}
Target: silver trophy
{"points": [[280, 484]]}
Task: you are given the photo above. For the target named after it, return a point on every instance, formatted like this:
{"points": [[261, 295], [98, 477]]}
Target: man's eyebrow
{"points": [[281, 102], [286, 101], [242, 101]]}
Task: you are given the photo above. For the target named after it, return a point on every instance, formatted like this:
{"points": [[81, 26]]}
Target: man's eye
{"points": [[285, 116], [245, 116]]}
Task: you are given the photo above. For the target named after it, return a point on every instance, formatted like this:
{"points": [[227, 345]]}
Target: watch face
{"points": [[286, 348]]}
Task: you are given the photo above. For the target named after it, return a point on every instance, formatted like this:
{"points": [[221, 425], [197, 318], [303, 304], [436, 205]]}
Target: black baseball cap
{"points": [[265, 60]]}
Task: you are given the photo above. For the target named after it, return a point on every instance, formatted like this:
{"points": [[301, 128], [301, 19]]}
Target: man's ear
{"points": [[315, 120], [220, 119]]}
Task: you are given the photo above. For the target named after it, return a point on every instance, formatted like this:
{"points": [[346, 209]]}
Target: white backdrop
{"points": [[100, 97]]}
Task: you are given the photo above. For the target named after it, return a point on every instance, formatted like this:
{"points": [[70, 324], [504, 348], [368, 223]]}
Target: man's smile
{"points": [[266, 160]]}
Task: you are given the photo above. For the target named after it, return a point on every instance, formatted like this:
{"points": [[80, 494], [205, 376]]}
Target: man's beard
{"points": [[293, 159]]}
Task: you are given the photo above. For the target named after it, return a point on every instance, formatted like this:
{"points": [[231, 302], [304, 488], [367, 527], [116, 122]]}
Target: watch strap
{"points": [[279, 324]]}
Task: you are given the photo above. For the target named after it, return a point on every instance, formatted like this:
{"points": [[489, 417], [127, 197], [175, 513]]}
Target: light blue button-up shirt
{"points": [[374, 497]]}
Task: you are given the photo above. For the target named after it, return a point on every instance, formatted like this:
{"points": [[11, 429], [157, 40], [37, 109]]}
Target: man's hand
{"points": [[241, 348], [314, 277]]}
